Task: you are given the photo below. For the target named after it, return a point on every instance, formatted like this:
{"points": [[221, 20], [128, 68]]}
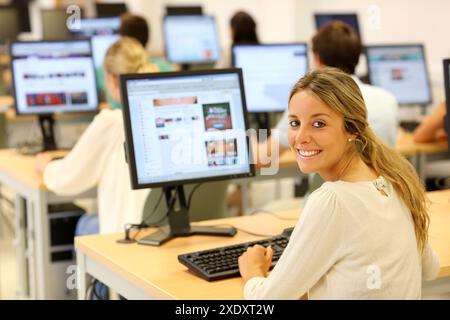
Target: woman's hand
{"points": [[255, 262]]}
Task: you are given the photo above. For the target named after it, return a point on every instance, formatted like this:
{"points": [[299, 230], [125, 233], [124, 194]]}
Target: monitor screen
{"points": [[402, 70], [191, 39], [103, 33], [110, 9], [269, 71], [9, 27], [54, 24], [349, 18], [447, 97], [185, 127], [53, 76]]}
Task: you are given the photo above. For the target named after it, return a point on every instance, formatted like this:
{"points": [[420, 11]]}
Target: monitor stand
{"points": [[179, 225], [46, 123]]}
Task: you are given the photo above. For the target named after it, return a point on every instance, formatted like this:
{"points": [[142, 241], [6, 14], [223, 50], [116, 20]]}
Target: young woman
{"points": [[98, 158], [363, 234]]}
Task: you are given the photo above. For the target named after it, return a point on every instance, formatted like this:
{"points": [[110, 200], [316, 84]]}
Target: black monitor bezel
{"points": [[446, 63], [181, 10], [13, 82], [129, 149], [196, 62], [233, 61], [119, 8], [353, 14], [403, 45]]}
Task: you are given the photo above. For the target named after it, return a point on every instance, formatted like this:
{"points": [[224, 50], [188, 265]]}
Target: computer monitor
{"points": [[52, 77], [110, 9], [349, 18], [9, 26], [269, 71], [402, 70], [181, 128], [183, 10], [54, 24], [191, 39], [447, 97], [103, 33]]}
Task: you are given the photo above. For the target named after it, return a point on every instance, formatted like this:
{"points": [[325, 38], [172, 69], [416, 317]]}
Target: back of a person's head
{"points": [[126, 55], [134, 26], [244, 28], [337, 45]]}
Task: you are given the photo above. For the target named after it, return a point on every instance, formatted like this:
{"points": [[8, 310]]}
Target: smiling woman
{"points": [[364, 233]]}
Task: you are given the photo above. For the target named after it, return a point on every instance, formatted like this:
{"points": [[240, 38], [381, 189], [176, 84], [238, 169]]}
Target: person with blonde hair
{"points": [[364, 233], [98, 159]]}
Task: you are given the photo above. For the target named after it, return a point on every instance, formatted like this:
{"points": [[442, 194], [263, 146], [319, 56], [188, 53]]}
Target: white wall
{"points": [[382, 21]]}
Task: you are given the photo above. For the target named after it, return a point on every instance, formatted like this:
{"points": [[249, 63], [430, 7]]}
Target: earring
{"points": [[349, 139]]}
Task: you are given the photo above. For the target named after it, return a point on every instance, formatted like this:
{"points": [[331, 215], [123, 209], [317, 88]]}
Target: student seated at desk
{"points": [[135, 26], [432, 129], [364, 233], [337, 45], [98, 158]]}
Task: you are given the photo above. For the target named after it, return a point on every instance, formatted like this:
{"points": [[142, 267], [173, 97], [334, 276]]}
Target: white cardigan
{"points": [[98, 159], [351, 242]]}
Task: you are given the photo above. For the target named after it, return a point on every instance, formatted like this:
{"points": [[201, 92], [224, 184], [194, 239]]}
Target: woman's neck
{"points": [[358, 171]]}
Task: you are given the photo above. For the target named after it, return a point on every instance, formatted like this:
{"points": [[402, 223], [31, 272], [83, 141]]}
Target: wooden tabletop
{"points": [[22, 167], [157, 270]]}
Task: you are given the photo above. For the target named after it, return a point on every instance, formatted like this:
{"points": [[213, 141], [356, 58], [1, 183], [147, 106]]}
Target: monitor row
{"points": [[44, 70]]}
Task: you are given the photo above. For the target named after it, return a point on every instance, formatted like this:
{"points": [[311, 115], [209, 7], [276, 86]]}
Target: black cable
{"points": [[191, 194], [272, 214]]}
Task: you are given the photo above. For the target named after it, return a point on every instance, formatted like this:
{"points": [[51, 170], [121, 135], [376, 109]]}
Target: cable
{"points": [[191, 194], [243, 230], [272, 214]]}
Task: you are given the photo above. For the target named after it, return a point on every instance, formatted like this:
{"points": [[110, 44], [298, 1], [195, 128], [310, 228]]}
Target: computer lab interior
{"points": [[144, 144]]}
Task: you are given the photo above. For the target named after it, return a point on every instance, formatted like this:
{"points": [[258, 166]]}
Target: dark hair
{"points": [[244, 28], [338, 46], [134, 26]]}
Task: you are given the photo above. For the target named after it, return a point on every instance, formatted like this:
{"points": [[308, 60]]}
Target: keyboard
{"points": [[221, 263]]}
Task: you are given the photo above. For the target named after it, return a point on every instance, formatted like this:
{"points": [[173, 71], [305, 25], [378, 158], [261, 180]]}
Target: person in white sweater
{"points": [[98, 159], [364, 233]]}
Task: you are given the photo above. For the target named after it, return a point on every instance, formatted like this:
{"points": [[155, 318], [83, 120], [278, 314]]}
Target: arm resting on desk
{"points": [[314, 247]]}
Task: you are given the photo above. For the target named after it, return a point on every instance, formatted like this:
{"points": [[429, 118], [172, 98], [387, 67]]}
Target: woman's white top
{"points": [[351, 242], [98, 160]]}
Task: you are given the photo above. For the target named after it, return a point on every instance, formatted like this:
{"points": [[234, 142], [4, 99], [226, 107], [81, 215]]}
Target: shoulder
{"points": [[327, 196], [108, 118], [375, 93]]}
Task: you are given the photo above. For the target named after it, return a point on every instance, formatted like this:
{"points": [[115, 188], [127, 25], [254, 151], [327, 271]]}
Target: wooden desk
{"points": [[37, 277], [143, 272]]}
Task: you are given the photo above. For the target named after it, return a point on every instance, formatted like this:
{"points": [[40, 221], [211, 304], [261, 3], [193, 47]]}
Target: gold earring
{"points": [[349, 139]]}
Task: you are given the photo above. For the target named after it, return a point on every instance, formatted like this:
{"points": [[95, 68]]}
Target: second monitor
{"points": [[269, 71], [402, 70]]}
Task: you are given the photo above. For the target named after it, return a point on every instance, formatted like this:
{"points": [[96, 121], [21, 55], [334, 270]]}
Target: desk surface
{"points": [[22, 168], [157, 271]]}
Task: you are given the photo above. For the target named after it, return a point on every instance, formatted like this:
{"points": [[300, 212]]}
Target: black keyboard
{"points": [[222, 263]]}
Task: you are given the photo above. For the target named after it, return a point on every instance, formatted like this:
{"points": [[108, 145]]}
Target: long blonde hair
{"points": [[340, 92], [127, 55]]}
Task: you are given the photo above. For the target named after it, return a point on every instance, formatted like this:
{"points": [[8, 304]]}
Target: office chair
{"points": [[208, 202]]}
